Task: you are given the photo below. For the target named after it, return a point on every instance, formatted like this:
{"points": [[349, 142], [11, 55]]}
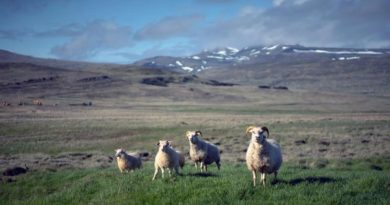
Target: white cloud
{"points": [[168, 27], [344, 23], [88, 40]]}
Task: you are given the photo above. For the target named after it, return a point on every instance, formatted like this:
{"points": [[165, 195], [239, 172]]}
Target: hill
{"points": [[65, 123], [364, 71]]}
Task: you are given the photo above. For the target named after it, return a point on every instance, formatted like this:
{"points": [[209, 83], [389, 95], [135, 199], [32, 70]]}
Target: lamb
{"points": [[182, 159], [127, 162], [202, 152], [166, 158], [263, 155]]}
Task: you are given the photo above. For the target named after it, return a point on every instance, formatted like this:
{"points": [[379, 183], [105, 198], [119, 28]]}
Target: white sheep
{"points": [[127, 162], [201, 151], [263, 155], [166, 158]]}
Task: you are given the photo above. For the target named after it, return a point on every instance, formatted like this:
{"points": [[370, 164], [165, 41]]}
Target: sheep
{"points": [[166, 158], [127, 162], [202, 152], [263, 155], [182, 159]]}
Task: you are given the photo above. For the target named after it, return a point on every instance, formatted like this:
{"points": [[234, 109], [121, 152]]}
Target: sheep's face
{"points": [[193, 136], [119, 153], [164, 145], [259, 134]]}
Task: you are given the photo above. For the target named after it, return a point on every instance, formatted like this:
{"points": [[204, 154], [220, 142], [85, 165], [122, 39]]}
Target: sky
{"points": [[123, 31]]}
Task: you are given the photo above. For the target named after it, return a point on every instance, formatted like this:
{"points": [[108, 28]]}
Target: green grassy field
{"points": [[351, 183], [335, 146]]}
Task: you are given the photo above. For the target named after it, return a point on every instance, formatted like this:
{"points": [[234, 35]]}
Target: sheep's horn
{"points": [[265, 129], [248, 129]]}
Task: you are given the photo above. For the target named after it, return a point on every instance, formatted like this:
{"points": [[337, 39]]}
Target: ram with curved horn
{"points": [[263, 155]]}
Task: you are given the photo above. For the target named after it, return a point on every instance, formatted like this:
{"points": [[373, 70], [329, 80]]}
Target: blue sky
{"points": [[123, 31]]}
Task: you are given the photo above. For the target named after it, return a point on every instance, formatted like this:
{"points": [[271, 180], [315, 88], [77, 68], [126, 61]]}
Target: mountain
{"points": [[65, 83], [231, 57], [294, 66], [342, 70], [10, 57]]}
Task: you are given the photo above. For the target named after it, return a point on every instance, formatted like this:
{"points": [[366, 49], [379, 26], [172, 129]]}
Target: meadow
{"points": [[331, 157], [340, 184], [335, 145]]}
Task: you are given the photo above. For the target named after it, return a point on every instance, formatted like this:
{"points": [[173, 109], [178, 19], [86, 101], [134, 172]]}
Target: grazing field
{"points": [[336, 146], [331, 157], [341, 184]]}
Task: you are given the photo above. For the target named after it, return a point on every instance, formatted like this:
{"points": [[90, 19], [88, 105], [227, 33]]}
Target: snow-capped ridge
{"points": [[233, 57], [337, 52]]}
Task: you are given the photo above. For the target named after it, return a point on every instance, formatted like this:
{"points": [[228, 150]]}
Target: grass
{"points": [[231, 185]]}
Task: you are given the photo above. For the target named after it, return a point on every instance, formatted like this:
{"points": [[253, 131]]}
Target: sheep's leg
{"points": [[254, 177], [196, 166], [170, 172], [275, 176], [201, 166], [263, 178], [218, 165], [155, 173], [162, 172], [177, 170]]}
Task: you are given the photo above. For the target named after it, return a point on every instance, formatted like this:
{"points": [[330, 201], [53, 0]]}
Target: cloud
{"points": [[297, 2], [348, 23], [214, 1], [14, 34], [177, 49], [88, 40], [19, 6], [69, 30], [168, 27]]}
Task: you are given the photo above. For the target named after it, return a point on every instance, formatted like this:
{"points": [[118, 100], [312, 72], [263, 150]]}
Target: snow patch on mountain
{"points": [[186, 68], [347, 58], [216, 57], [221, 52], [233, 50], [338, 52], [254, 52], [243, 58], [271, 47], [179, 63]]}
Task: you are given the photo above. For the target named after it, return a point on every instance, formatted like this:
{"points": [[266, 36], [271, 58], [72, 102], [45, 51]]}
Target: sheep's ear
{"points": [[158, 144], [198, 133], [265, 131], [249, 129]]}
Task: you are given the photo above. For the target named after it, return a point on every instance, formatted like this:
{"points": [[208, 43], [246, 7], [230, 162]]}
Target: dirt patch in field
{"points": [[42, 162]]}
